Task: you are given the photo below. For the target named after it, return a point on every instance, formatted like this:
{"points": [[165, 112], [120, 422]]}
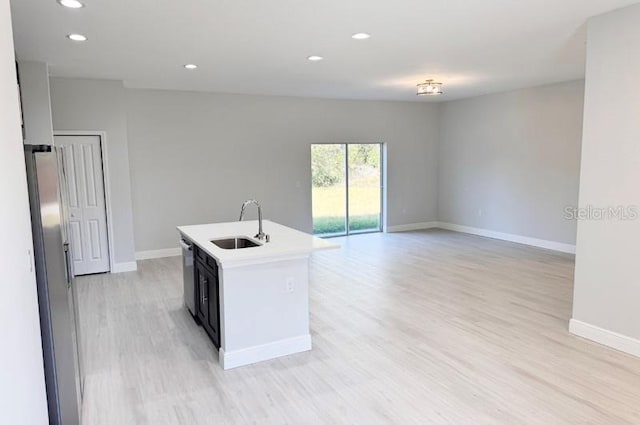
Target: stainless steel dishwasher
{"points": [[187, 274]]}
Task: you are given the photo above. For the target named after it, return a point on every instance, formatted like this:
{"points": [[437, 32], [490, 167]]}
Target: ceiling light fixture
{"points": [[77, 37], [191, 66], [361, 36], [72, 4], [315, 58], [429, 88]]}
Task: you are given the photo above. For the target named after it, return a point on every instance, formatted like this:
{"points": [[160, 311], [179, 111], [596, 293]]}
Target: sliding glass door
{"points": [[347, 188]]}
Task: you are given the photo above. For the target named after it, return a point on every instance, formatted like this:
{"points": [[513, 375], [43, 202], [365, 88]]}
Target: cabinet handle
{"points": [[205, 296]]}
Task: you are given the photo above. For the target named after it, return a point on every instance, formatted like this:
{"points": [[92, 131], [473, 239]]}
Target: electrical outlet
{"points": [[290, 286]]}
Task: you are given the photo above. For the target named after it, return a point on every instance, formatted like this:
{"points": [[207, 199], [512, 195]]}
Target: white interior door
{"points": [[87, 206]]}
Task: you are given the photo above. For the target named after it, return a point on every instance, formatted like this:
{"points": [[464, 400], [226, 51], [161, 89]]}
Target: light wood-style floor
{"points": [[421, 328]]}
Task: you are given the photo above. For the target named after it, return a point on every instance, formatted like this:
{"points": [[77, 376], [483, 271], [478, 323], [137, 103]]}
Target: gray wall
{"points": [[195, 157], [36, 105], [22, 394], [99, 105], [608, 251], [509, 162]]}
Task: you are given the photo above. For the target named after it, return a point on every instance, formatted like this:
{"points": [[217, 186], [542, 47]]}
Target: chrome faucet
{"points": [[261, 235]]}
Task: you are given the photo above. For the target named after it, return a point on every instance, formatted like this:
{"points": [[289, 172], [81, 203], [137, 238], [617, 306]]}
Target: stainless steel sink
{"points": [[235, 243]]}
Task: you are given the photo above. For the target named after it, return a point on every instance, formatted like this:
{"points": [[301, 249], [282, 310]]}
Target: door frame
{"points": [[102, 135], [384, 222]]}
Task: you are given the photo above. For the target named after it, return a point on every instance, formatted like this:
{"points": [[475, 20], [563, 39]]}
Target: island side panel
{"points": [[264, 311]]}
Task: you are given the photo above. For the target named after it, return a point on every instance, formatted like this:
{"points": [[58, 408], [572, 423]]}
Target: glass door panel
{"points": [[364, 187], [329, 189]]}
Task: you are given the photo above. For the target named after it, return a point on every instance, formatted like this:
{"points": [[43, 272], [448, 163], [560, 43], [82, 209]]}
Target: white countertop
{"points": [[285, 242]]}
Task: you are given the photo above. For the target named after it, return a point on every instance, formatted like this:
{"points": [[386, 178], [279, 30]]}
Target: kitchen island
{"points": [[252, 296]]}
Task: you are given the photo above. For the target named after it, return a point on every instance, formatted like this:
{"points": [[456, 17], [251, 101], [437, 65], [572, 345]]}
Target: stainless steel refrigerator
{"points": [[57, 294]]}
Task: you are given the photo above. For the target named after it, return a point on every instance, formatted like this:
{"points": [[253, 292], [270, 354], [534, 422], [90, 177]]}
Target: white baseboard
{"points": [[131, 266], [602, 336], [158, 253], [245, 356], [412, 226], [540, 243]]}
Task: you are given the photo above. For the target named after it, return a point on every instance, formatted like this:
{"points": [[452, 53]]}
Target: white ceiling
{"points": [[260, 46]]}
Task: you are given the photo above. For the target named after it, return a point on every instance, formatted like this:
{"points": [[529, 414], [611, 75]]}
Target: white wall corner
{"points": [[130, 266], [412, 226], [525, 240], [605, 337], [158, 253]]}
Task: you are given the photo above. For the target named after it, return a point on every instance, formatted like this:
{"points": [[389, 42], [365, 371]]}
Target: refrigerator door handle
{"points": [[67, 264], [64, 192]]}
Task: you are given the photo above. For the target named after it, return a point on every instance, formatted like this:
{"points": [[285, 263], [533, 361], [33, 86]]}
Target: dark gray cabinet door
{"points": [[201, 292], [207, 292], [213, 314]]}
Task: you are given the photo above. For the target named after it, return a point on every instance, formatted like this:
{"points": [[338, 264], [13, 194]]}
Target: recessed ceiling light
{"points": [[315, 58], [77, 37], [191, 66], [361, 36], [73, 4]]}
